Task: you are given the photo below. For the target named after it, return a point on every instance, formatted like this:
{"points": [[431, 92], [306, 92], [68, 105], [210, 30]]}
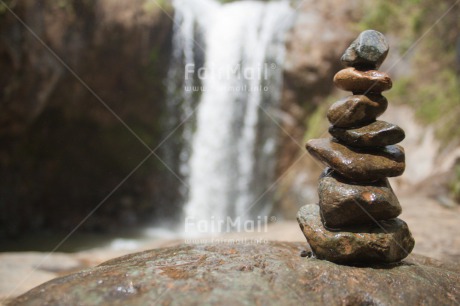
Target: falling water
{"points": [[232, 56]]}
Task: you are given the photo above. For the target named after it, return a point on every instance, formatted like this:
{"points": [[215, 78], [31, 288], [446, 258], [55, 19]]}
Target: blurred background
{"points": [[104, 132]]}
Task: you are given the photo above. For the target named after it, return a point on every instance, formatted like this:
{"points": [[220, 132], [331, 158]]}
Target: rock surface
{"points": [[356, 110], [358, 164], [376, 134], [369, 50], [390, 241], [344, 204], [265, 274], [356, 81]]}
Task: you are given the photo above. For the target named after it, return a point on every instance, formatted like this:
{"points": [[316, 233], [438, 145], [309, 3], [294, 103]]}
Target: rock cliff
{"points": [[63, 150]]}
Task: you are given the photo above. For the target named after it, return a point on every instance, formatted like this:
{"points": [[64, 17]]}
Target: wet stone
{"points": [[376, 134], [357, 110], [273, 273], [355, 220], [369, 50], [390, 241], [343, 204], [359, 165], [358, 82]]}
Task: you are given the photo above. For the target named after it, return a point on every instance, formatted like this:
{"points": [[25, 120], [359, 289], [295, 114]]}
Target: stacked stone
{"points": [[355, 221]]}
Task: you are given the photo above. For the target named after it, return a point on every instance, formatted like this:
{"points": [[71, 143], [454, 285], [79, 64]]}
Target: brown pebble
{"points": [[376, 134], [357, 110], [345, 204], [359, 165], [358, 82]]}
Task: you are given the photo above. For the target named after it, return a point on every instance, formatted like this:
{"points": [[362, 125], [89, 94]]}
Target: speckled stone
{"points": [[369, 50], [376, 134], [359, 165], [343, 204], [272, 273], [389, 242], [357, 110], [358, 82]]}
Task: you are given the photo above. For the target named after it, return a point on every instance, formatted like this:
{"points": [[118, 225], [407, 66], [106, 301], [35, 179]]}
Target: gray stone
{"points": [[359, 165], [249, 274], [376, 134], [388, 241], [343, 204], [369, 50], [356, 110]]}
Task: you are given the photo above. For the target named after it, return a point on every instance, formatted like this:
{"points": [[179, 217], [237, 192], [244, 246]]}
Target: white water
{"points": [[230, 164]]}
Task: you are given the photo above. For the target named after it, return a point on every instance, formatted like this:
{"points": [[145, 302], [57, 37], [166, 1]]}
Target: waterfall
{"points": [[231, 56]]}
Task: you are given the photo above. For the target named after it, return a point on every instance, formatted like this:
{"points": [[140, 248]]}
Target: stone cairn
{"points": [[355, 221]]}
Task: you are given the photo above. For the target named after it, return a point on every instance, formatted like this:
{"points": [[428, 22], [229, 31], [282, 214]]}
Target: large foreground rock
{"points": [[263, 274]]}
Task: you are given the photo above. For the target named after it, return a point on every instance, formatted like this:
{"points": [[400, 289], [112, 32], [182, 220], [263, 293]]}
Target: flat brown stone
{"points": [[357, 110], [343, 204], [359, 164], [376, 134], [390, 241], [357, 81]]}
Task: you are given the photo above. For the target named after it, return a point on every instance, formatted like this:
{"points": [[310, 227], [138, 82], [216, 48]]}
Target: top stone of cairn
{"points": [[368, 51]]}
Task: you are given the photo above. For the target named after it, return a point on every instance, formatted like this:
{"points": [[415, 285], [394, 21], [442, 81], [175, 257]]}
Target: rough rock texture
{"points": [[369, 50], [344, 204], [358, 164], [265, 274], [356, 81], [62, 150], [376, 134], [356, 110], [390, 241]]}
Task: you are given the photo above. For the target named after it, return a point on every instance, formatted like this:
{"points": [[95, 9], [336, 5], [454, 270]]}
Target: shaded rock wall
{"points": [[62, 151]]}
